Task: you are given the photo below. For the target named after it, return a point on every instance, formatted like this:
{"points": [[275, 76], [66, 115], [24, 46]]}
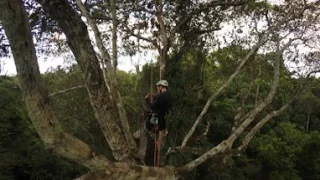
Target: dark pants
{"points": [[149, 159]]}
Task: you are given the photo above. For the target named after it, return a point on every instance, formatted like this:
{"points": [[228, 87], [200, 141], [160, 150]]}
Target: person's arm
{"points": [[148, 99], [157, 102]]}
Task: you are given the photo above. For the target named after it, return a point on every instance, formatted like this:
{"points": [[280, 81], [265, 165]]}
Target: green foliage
{"points": [[308, 162], [73, 108], [22, 153], [280, 150]]}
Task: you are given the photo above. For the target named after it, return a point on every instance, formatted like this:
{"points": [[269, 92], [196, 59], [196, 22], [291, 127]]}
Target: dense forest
{"points": [[239, 111]]}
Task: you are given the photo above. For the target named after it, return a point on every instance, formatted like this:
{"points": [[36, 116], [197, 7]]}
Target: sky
{"points": [[126, 63]]}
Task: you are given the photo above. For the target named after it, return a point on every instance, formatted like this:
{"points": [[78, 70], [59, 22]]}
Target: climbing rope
{"points": [[151, 79], [156, 152]]}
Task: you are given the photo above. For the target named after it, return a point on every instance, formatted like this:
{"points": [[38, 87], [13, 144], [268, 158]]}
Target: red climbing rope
{"points": [[156, 152]]}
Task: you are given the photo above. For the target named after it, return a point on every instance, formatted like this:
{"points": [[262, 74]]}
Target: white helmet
{"points": [[162, 83]]}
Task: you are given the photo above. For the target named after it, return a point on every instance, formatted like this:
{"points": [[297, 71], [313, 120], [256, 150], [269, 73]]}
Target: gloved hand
{"points": [[150, 96]]}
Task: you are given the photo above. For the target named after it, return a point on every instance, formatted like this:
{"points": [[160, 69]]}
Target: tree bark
{"points": [[79, 42]]}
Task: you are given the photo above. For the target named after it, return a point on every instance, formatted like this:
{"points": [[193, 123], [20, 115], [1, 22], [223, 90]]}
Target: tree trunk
{"points": [[79, 42], [308, 122], [162, 64]]}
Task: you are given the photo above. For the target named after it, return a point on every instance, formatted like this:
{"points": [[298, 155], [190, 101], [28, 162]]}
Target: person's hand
{"points": [[150, 96], [164, 132]]}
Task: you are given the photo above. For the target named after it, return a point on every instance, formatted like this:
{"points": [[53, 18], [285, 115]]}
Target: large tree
{"points": [[284, 27]]}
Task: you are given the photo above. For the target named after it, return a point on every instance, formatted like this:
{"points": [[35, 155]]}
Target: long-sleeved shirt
{"points": [[160, 105]]}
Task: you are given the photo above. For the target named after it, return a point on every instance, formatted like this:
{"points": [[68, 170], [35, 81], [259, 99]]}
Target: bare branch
{"points": [[223, 146], [130, 31], [97, 35], [279, 52], [114, 35], [253, 113], [66, 90], [271, 115], [225, 85], [258, 126]]}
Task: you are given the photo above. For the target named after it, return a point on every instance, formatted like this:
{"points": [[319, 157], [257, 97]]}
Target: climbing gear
{"points": [[154, 119], [162, 83]]}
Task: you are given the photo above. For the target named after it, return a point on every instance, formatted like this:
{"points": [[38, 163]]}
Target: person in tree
{"points": [[156, 120]]}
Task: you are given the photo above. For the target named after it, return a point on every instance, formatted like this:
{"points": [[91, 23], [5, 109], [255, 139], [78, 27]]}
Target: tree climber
{"points": [[155, 125]]}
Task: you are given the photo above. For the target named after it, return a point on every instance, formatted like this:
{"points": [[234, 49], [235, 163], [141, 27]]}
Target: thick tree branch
{"points": [[80, 44]]}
